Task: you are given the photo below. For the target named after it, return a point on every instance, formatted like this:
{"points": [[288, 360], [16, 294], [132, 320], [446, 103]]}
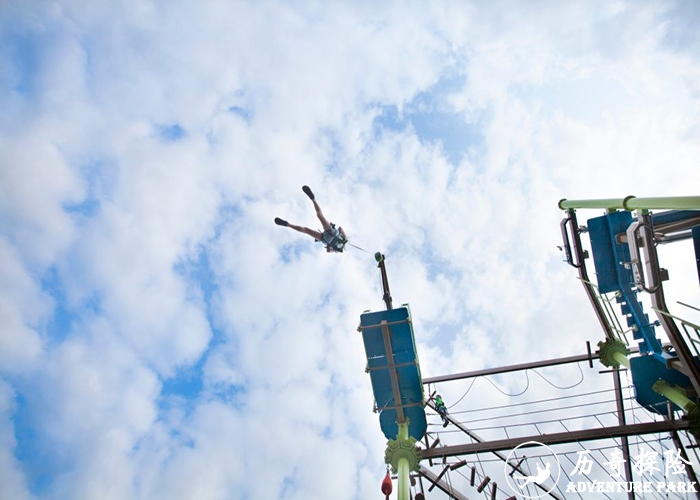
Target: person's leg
{"points": [[443, 414], [311, 232], [321, 217], [319, 213]]}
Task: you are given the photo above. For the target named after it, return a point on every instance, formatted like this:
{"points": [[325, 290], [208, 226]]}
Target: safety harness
{"points": [[333, 239]]}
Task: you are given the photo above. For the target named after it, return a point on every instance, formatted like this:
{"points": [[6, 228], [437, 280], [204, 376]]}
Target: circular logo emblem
{"points": [[533, 482]]}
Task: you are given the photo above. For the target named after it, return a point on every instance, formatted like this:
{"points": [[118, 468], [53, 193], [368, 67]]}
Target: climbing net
{"points": [[591, 464]]}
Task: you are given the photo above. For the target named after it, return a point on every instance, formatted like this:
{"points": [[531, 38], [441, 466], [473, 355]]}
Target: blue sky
{"points": [[162, 338]]}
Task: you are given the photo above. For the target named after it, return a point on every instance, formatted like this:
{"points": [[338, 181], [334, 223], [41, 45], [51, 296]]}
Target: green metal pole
{"points": [[668, 203], [621, 359], [608, 204], [403, 431], [673, 393], [404, 484], [404, 457], [633, 203]]}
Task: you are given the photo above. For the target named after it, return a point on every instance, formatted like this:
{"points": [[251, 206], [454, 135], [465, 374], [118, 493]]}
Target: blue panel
{"points": [[670, 216], [603, 257], [607, 253], [646, 370], [409, 378]]}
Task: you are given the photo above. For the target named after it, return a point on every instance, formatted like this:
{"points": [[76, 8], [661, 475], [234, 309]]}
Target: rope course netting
{"points": [[542, 406]]}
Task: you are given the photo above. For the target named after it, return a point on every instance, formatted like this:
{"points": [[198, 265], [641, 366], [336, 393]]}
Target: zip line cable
{"points": [[355, 246], [463, 395], [527, 386], [534, 412], [525, 424], [592, 393]]}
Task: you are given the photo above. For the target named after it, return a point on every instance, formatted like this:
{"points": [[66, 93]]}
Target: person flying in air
{"points": [[333, 237], [441, 409]]}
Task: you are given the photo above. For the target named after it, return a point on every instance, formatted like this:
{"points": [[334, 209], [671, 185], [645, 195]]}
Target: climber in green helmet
{"points": [[441, 409], [334, 238]]}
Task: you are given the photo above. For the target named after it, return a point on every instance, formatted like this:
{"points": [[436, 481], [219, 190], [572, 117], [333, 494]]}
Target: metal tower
{"points": [[628, 428]]}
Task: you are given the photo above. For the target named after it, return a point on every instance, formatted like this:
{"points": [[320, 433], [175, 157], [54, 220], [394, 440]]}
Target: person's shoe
{"points": [[445, 423], [281, 222], [308, 192]]}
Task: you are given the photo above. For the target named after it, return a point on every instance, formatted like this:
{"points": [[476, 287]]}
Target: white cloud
{"points": [[23, 310], [91, 403], [13, 483]]}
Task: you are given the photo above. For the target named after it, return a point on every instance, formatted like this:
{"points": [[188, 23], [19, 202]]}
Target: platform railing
{"points": [[691, 330], [609, 311]]}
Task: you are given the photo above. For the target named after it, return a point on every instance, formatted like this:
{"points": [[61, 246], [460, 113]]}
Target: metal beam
{"points": [[385, 280], [513, 368], [397, 407], [672, 238], [621, 420], [396, 365], [439, 478], [557, 438], [432, 477], [675, 227], [388, 323], [386, 335], [510, 368]]}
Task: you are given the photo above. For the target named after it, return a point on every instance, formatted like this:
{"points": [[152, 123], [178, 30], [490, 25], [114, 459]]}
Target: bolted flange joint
{"points": [[402, 448], [613, 353]]}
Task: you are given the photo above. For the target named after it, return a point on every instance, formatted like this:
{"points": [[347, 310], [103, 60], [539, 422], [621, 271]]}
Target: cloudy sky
{"points": [[161, 338]]}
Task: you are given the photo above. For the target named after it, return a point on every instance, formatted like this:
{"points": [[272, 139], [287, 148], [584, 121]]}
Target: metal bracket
{"points": [[635, 243]]}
